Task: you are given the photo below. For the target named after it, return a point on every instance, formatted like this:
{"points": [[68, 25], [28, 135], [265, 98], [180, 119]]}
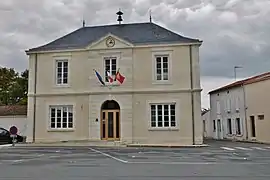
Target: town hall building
{"points": [[133, 83]]}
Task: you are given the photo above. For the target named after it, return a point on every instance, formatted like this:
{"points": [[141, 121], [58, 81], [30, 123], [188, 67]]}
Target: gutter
{"points": [[35, 100], [245, 111], [192, 95]]}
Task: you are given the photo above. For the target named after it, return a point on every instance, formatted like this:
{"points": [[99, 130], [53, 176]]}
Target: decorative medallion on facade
{"points": [[110, 42]]}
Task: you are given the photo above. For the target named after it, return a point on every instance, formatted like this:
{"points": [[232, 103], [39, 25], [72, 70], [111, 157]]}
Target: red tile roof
{"points": [[254, 79], [13, 110]]}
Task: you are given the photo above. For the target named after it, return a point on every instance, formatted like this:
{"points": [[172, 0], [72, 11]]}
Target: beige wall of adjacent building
{"points": [[258, 103], [86, 94]]}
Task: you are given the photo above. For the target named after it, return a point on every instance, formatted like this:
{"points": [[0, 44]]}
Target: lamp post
{"points": [[236, 67]]}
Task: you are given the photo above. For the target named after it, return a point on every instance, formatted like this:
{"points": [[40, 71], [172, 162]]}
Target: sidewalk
{"points": [[105, 144], [5, 145]]}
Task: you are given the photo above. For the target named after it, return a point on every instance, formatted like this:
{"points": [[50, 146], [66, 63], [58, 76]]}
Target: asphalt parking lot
{"points": [[220, 161]]}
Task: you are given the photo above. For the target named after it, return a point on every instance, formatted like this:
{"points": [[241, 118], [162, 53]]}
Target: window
{"points": [[237, 104], [3, 132], [61, 117], [163, 115], [238, 126], [261, 117], [214, 126], [229, 126], [218, 107], [228, 105], [62, 72], [162, 68], [110, 66]]}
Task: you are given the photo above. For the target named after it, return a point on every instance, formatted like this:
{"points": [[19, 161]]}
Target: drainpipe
{"points": [[192, 97], [245, 111], [35, 99]]}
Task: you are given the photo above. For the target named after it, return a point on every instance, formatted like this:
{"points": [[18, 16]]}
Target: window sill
{"points": [[164, 129], [156, 82], [62, 86], [61, 130]]}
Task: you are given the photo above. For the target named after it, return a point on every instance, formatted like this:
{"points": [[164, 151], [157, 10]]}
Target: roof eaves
{"points": [[227, 87]]}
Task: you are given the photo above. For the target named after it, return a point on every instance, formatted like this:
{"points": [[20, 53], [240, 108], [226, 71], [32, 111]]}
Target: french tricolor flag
{"points": [[109, 77]]}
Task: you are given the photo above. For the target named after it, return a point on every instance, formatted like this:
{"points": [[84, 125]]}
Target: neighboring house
{"points": [[228, 112], [238, 111], [207, 128], [14, 115], [258, 103], [158, 102]]}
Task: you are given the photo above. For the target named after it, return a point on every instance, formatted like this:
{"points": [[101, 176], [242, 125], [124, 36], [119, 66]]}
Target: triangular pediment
{"points": [[109, 41]]}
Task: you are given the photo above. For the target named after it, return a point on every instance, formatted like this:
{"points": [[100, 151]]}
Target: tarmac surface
{"points": [[219, 161]]}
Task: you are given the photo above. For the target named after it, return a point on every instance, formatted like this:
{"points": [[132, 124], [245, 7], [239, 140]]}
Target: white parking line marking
{"points": [[242, 148], [227, 148], [105, 154], [198, 163], [259, 148]]}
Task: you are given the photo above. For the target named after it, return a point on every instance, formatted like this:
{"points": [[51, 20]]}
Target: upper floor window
{"points": [[218, 107], [62, 72], [110, 67], [163, 115], [162, 68]]}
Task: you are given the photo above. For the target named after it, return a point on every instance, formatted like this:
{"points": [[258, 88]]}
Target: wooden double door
{"points": [[110, 125]]}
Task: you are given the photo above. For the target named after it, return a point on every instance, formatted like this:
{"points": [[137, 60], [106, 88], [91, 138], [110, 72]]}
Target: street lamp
{"points": [[236, 67]]}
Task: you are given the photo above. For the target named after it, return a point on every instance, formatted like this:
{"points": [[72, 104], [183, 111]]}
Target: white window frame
{"points": [[163, 122], [69, 108], [62, 60], [105, 58], [162, 68], [161, 53]]}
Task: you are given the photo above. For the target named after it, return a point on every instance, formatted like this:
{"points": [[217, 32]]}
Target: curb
{"points": [[5, 145], [168, 146]]}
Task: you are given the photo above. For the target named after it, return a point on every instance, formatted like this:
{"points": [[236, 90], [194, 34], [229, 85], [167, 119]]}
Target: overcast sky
{"points": [[235, 32]]}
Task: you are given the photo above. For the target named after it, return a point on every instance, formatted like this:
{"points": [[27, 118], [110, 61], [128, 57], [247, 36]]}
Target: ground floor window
{"points": [[238, 126], [61, 117], [229, 126], [163, 115]]}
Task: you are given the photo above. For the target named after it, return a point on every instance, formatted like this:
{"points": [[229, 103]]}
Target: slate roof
{"points": [[136, 33], [13, 110], [254, 79]]}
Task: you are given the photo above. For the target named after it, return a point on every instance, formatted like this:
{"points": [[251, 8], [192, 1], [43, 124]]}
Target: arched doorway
{"points": [[110, 120]]}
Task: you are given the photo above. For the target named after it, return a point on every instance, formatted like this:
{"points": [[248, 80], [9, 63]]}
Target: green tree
{"points": [[13, 87]]}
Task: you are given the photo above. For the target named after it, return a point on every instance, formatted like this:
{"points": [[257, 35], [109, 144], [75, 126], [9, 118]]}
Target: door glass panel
{"points": [[117, 125], [110, 125], [103, 130]]}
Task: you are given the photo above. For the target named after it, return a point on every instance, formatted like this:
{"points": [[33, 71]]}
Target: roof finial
{"points": [[150, 16], [119, 13], [83, 23]]}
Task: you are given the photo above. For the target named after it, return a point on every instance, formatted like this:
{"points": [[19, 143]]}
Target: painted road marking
{"points": [[259, 148], [242, 148], [227, 148], [107, 155]]}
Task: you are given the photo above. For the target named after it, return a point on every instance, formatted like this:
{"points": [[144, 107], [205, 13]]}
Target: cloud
{"points": [[235, 32]]}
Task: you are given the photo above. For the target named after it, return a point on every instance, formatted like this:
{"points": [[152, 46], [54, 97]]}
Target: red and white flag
{"points": [[109, 77], [119, 77]]}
